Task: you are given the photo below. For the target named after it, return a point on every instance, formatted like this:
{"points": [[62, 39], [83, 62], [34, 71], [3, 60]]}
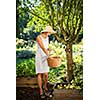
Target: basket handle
{"points": [[51, 51], [45, 58]]}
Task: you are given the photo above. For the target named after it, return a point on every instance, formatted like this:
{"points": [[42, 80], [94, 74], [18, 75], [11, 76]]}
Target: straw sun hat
{"points": [[48, 29]]}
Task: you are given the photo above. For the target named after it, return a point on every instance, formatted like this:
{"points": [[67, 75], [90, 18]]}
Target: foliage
{"points": [[25, 67], [78, 67], [64, 16], [25, 54], [58, 50], [57, 75], [77, 82], [24, 30], [20, 43]]}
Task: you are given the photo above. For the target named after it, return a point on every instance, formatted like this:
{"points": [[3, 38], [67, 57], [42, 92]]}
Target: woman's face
{"points": [[47, 33]]}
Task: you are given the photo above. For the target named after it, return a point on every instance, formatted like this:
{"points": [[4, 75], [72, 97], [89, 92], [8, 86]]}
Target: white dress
{"points": [[41, 64]]}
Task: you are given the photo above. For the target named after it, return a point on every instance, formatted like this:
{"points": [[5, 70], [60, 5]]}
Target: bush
{"points": [[21, 43], [25, 67], [78, 67], [77, 82], [58, 50], [25, 54], [57, 75]]}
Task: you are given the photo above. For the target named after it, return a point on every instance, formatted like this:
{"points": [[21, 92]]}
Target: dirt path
{"points": [[26, 93]]}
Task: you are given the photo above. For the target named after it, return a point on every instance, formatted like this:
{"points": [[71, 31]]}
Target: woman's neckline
{"points": [[43, 36]]}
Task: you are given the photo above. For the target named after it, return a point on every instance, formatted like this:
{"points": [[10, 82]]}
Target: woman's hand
{"points": [[49, 49]]}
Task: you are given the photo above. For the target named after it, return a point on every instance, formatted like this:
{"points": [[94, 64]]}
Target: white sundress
{"points": [[41, 64]]}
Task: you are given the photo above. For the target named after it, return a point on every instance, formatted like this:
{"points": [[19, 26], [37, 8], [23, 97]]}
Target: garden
{"points": [[32, 16], [25, 64]]}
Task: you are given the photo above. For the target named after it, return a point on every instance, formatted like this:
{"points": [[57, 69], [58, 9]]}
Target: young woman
{"points": [[42, 54]]}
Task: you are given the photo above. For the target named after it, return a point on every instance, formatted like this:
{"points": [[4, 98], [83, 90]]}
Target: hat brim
{"points": [[52, 32]]}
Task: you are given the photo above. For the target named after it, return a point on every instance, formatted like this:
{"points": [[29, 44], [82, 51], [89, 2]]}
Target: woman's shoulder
{"points": [[39, 38]]}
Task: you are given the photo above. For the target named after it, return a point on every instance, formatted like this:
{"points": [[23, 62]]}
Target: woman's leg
{"points": [[45, 76], [40, 82], [47, 92]]}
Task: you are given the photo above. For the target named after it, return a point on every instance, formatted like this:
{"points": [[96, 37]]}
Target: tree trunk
{"points": [[69, 61]]}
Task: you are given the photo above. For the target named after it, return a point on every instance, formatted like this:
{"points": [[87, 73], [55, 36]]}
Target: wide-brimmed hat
{"points": [[48, 29]]}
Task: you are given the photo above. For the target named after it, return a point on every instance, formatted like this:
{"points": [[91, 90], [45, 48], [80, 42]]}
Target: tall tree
{"points": [[65, 16]]}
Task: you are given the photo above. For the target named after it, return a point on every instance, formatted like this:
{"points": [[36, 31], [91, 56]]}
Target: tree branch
{"points": [[78, 30], [80, 24], [77, 14], [32, 11], [60, 17], [60, 39], [39, 17], [51, 13], [62, 20], [69, 11]]}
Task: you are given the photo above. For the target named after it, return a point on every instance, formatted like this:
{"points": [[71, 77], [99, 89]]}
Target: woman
{"points": [[42, 54]]}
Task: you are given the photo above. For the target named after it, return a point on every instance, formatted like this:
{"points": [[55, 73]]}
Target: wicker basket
{"points": [[54, 62]]}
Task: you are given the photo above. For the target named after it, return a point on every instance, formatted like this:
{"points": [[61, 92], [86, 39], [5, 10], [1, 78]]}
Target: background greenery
{"points": [[25, 64]]}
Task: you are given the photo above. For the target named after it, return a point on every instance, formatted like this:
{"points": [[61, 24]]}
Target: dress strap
{"points": [[41, 37]]}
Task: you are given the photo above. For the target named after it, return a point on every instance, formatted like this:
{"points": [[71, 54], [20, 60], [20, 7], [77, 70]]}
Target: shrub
{"points": [[77, 82], [24, 54], [57, 75], [21, 43], [25, 67]]}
